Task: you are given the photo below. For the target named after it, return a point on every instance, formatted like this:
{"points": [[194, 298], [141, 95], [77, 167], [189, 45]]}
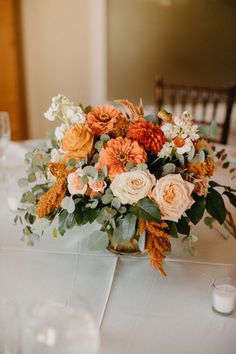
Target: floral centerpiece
{"points": [[142, 182]]}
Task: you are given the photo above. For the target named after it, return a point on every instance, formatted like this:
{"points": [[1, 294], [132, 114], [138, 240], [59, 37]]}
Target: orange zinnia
{"points": [[118, 152], [102, 119], [147, 134]]}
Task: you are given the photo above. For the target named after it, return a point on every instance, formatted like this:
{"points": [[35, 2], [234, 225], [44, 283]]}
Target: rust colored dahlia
{"points": [[102, 119], [118, 152], [147, 134]]}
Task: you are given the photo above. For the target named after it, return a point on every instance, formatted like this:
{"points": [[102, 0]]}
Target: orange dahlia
{"points": [[102, 119], [147, 134], [118, 152]]}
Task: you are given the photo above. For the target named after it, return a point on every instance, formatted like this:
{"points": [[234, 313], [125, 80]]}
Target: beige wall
{"points": [[187, 41], [56, 55]]}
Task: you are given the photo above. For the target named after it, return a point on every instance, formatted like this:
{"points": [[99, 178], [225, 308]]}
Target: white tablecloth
{"points": [[138, 310]]}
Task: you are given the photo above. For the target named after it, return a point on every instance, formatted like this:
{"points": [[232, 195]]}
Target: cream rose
{"points": [[132, 186], [173, 196], [74, 184]]}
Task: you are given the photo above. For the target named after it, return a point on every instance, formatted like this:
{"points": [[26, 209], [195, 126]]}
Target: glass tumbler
{"points": [[224, 295]]}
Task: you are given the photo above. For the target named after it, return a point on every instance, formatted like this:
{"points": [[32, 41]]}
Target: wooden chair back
{"points": [[201, 101]]}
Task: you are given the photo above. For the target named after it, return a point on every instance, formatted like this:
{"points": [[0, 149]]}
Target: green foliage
{"points": [[125, 229], [146, 209], [68, 204], [232, 198], [172, 229], [195, 213], [215, 205], [183, 226]]}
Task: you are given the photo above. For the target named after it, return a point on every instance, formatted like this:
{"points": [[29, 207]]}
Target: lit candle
{"points": [[224, 296]]}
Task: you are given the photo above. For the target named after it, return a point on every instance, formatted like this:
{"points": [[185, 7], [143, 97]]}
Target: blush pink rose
{"points": [[74, 184], [173, 196], [97, 187]]}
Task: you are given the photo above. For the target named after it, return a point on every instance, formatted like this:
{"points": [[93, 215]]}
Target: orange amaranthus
{"points": [[157, 243]]}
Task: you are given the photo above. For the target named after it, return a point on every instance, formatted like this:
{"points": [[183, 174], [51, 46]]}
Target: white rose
{"points": [[173, 196], [132, 186]]}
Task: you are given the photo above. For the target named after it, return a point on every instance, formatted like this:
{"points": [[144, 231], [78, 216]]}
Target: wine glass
{"points": [[5, 135]]}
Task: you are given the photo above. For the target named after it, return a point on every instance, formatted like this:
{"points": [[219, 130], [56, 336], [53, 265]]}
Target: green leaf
{"points": [[40, 225], [209, 221], [213, 129], [54, 232], [183, 226], [232, 198], [90, 171], [173, 229], [225, 164], [146, 209], [116, 203], [168, 168], [215, 205], [125, 229], [129, 166], [98, 240], [142, 241], [23, 182], [62, 219], [195, 213], [107, 198], [104, 138], [98, 145], [68, 204], [31, 177]]}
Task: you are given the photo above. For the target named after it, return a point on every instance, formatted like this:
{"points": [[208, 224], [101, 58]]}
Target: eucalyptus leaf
{"points": [[107, 198], [98, 145], [125, 229], [68, 204], [90, 171], [23, 182], [40, 225], [168, 168], [141, 241], [105, 138]]}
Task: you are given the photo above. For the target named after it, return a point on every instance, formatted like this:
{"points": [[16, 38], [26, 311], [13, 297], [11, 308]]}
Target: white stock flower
{"points": [[56, 156], [166, 150], [60, 131], [170, 130], [132, 186], [75, 114], [50, 114]]}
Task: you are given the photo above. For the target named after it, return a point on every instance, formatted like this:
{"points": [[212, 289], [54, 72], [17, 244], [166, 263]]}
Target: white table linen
{"points": [[138, 310]]}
